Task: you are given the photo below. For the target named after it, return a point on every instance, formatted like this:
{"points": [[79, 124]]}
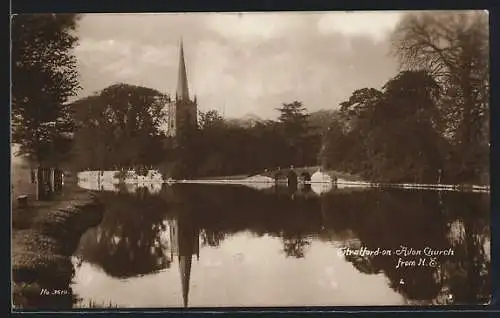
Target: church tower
{"points": [[182, 113]]}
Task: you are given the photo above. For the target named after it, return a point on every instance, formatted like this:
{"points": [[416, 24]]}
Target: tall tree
{"points": [[120, 126], [44, 76], [210, 119], [454, 48], [293, 117], [410, 104], [334, 145], [294, 122], [351, 142], [389, 135]]}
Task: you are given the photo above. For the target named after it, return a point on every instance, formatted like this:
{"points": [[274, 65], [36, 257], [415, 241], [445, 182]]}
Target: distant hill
{"points": [[322, 119], [319, 120], [247, 121]]}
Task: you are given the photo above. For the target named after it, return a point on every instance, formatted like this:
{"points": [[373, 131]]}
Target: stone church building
{"points": [[181, 112]]}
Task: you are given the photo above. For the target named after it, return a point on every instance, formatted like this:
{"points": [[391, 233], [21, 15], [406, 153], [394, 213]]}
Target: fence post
{"points": [[52, 179], [44, 185]]}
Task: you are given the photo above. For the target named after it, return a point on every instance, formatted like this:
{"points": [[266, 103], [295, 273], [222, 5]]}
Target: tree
{"points": [[334, 146], [293, 117], [351, 142], [454, 48], [44, 76], [210, 119], [389, 135], [120, 126], [361, 101], [410, 103], [294, 124]]}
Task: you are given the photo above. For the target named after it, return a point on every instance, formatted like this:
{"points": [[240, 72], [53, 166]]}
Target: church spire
{"points": [[182, 83]]}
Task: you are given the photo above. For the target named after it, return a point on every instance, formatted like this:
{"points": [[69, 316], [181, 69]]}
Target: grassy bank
{"points": [[44, 236]]}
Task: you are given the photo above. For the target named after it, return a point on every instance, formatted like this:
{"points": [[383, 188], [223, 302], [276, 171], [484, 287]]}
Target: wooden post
{"points": [[37, 190], [44, 187], [58, 182], [39, 184], [33, 175], [52, 179]]}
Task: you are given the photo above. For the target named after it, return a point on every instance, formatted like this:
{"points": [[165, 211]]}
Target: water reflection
{"points": [[184, 236], [283, 247], [116, 186], [129, 241]]}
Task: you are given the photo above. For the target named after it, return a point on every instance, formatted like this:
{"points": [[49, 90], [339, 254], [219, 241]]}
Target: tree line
{"points": [[429, 123], [221, 147], [121, 127]]}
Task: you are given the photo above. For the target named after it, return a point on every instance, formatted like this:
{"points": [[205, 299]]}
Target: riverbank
{"points": [[44, 236]]}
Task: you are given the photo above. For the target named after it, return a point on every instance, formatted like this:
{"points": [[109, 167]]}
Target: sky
{"points": [[241, 63]]}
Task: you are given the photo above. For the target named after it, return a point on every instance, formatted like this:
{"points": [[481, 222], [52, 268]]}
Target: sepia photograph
{"points": [[250, 159]]}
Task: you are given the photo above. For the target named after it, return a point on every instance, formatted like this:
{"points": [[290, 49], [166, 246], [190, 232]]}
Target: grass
{"points": [[44, 236], [92, 304]]}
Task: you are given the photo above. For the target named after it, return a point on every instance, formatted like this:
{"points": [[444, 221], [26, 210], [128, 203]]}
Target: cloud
{"points": [[165, 55], [245, 63], [374, 24], [251, 26]]}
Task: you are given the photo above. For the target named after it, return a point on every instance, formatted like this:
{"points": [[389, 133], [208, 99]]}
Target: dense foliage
{"points": [[454, 48], [389, 135], [44, 76], [430, 122], [221, 148], [119, 127]]}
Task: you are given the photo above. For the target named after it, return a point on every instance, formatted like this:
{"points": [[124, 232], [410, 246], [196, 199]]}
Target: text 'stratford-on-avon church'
{"points": [[181, 112]]}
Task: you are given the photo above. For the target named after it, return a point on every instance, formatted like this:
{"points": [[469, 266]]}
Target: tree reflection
{"points": [[294, 245], [383, 219], [363, 263], [212, 238], [130, 241], [469, 235], [389, 219]]}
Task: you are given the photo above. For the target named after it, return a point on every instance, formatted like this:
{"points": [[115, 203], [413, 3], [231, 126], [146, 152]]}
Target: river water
{"points": [[189, 245]]}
